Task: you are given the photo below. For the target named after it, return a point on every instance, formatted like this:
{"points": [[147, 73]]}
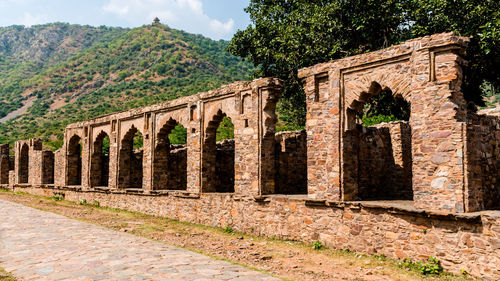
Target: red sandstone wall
{"points": [[469, 242]]}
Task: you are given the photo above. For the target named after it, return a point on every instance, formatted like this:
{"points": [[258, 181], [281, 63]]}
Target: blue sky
{"points": [[217, 19]]}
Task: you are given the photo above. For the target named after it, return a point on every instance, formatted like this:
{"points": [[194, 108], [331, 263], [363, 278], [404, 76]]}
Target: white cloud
{"points": [[28, 19], [182, 14], [226, 27]]}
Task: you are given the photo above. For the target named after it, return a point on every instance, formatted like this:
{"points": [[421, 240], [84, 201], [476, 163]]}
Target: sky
{"points": [[216, 19]]}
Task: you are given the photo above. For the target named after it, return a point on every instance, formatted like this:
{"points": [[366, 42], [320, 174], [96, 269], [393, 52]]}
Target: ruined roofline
{"points": [[184, 101], [406, 48]]}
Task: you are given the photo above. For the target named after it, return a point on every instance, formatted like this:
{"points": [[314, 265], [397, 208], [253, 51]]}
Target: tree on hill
{"points": [[286, 35]]}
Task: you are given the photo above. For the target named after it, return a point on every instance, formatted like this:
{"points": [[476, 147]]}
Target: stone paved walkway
{"points": [[37, 245]]}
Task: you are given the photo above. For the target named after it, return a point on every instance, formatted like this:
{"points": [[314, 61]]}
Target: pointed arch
{"points": [[74, 161], [217, 157], [23, 170], [130, 172], [99, 162], [170, 157]]}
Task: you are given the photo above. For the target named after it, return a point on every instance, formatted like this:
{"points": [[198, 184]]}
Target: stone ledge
{"points": [[407, 207], [393, 207]]}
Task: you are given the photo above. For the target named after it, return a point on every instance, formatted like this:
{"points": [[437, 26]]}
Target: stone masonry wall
{"points": [[224, 166], [483, 162], [178, 168], [470, 242], [384, 162], [427, 73], [291, 162]]}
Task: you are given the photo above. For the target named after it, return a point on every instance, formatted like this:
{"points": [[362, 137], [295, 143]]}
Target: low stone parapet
{"points": [[468, 241]]}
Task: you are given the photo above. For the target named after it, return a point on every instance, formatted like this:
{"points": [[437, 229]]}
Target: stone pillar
{"points": [[247, 136], [437, 120], [113, 155], [147, 156], [268, 98], [86, 153], [35, 167], [323, 127], [59, 167], [193, 145]]}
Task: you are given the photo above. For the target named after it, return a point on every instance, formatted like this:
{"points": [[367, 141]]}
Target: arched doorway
{"points": [[131, 157], [23, 170], [218, 155], [74, 161], [99, 163], [377, 146], [170, 157]]}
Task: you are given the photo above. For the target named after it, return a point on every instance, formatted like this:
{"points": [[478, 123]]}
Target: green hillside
{"points": [[143, 66], [25, 52]]}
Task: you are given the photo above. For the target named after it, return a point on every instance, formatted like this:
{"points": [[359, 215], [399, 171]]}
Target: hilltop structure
{"points": [[406, 189]]}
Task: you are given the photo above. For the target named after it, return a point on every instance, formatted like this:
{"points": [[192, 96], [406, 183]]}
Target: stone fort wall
{"points": [[371, 189]]}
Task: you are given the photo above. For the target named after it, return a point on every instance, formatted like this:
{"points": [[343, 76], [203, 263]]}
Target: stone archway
{"points": [[170, 157], [130, 168], [377, 154], [217, 158], [99, 162], [74, 161], [23, 170]]}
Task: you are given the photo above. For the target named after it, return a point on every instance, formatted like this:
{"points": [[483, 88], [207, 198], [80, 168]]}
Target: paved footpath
{"points": [[38, 245]]}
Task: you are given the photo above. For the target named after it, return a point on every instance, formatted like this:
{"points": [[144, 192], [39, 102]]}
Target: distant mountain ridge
{"points": [[81, 72]]}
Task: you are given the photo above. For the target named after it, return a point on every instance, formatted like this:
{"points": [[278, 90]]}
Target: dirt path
{"points": [[287, 259]]}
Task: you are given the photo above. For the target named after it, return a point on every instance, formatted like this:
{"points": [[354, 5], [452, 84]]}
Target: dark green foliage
{"points": [[287, 35], [431, 266], [317, 245], [178, 135], [228, 230], [427, 267], [385, 108], [377, 119], [225, 131], [138, 141], [105, 146], [478, 19]]}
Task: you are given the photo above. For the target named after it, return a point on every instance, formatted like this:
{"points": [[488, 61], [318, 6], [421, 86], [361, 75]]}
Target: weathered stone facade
{"points": [[426, 72], [440, 169]]}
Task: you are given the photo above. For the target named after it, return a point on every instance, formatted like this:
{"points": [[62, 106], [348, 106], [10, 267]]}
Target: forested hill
{"points": [[56, 74], [25, 52]]}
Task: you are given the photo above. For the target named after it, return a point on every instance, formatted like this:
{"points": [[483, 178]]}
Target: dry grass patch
{"points": [[5, 276]]}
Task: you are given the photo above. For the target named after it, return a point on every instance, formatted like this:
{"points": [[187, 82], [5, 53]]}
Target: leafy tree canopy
{"points": [[286, 35]]}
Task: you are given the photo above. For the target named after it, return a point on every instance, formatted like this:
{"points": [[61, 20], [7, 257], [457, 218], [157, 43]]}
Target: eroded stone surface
{"points": [[37, 245]]}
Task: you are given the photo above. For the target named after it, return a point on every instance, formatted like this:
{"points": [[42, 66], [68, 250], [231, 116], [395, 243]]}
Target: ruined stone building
{"points": [[429, 186]]}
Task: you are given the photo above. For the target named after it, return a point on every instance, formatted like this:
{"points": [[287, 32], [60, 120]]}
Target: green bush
{"points": [[228, 229], [317, 245], [431, 266]]}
